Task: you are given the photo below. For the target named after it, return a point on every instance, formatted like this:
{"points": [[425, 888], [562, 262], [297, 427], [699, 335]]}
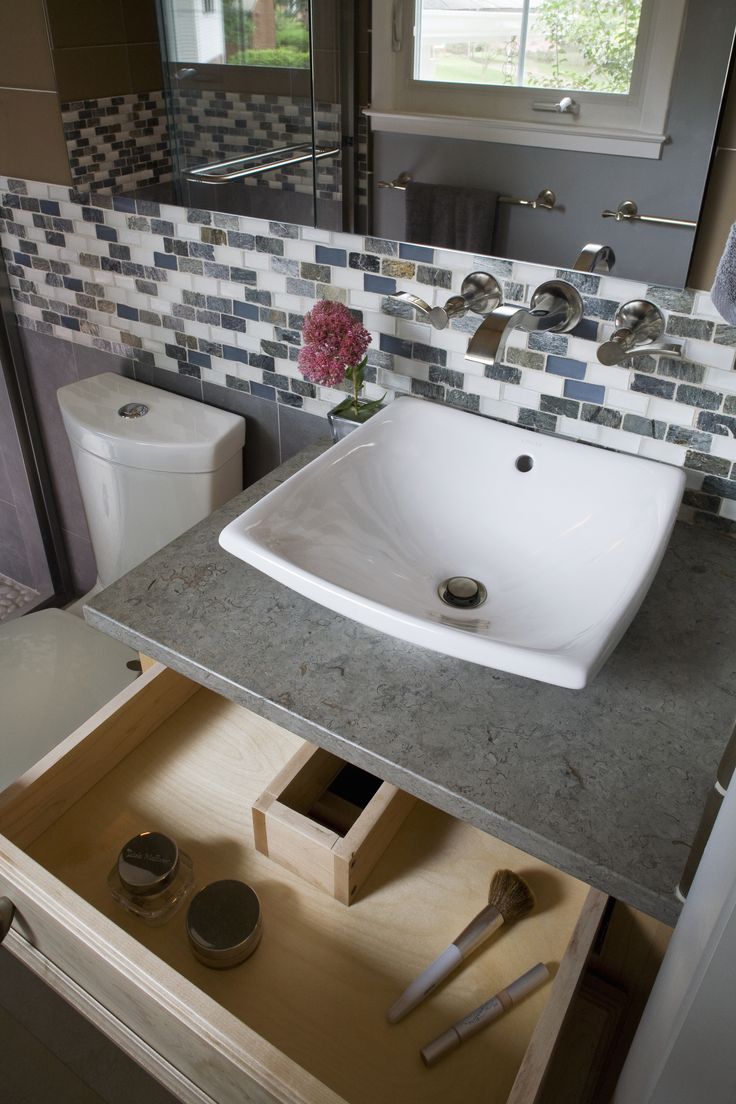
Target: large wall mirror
{"points": [[500, 127]]}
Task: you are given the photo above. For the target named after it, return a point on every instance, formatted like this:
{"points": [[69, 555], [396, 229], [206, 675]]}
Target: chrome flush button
{"points": [[133, 410]]}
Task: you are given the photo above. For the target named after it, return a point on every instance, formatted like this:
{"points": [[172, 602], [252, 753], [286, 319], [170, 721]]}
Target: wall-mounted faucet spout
{"points": [[555, 306], [595, 258]]}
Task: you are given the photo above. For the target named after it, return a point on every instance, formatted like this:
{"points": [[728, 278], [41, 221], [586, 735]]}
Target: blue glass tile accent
{"points": [[202, 360], [381, 284], [131, 313], [324, 255], [50, 207], [409, 252], [73, 285], [263, 392], [231, 353], [245, 310], [122, 203], [587, 328], [564, 366], [588, 392], [165, 260], [106, 233], [395, 345], [70, 323]]}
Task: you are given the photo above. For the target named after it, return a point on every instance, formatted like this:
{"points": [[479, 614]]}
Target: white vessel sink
{"points": [[566, 550]]}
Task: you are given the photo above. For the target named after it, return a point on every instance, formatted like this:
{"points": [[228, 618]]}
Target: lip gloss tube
{"points": [[484, 1014]]}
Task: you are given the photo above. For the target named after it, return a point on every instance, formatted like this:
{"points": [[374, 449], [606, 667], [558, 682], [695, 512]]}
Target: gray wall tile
{"points": [[298, 429], [262, 453]]}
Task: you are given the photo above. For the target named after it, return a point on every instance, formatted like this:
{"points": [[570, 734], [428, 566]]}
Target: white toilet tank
{"points": [[150, 465]]}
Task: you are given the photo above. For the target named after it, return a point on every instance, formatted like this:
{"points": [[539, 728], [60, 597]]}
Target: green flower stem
{"points": [[356, 374]]}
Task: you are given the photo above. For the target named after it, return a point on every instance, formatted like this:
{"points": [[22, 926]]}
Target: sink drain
{"points": [[462, 592]]}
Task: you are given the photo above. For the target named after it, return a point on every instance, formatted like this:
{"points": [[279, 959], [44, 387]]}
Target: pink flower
{"points": [[334, 340]]}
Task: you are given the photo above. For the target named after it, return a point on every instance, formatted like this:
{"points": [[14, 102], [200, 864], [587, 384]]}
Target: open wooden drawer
{"points": [[303, 1020]]}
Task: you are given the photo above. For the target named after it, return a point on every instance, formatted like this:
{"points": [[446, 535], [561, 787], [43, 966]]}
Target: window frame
{"points": [[633, 124]]}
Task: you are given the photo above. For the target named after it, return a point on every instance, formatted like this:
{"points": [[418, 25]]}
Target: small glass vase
{"points": [[344, 418]]}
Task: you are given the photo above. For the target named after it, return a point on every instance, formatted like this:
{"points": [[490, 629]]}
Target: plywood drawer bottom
{"points": [[303, 1020]]}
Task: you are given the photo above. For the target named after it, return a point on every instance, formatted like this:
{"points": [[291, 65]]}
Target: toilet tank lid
{"points": [[173, 434]]}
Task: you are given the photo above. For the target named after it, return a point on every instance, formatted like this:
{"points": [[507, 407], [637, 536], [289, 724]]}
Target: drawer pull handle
{"points": [[7, 912]]}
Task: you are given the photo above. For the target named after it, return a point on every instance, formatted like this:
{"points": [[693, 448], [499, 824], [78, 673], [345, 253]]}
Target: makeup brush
{"points": [[485, 1014], [509, 898]]}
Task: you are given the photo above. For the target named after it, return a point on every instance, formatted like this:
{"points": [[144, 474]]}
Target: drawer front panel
{"points": [[179, 1022]]}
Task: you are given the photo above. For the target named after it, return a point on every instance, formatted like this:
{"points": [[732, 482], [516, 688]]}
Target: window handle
{"points": [[397, 36], [565, 106]]}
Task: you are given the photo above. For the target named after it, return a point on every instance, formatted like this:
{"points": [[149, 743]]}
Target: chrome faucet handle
{"points": [[480, 293], [413, 301], [615, 352], [595, 258], [639, 326], [438, 317]]}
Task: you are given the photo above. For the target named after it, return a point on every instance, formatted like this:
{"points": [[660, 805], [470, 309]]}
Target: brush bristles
{"points": [[510, 895]]}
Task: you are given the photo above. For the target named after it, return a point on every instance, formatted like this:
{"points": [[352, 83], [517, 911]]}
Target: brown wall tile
{"points": [[145, 67], [719, 212], [31, 139], [25, 53], [139, 18], [245, 78], [88, 72], [86, 22], [326, 81]]}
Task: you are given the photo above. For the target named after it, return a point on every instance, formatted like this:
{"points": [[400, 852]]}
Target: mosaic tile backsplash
{"points": [[222, 298], [118, 138]]}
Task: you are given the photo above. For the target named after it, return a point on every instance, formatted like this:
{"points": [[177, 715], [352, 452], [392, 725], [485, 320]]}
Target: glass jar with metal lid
{"points": [[151, 878], [224, 923]]}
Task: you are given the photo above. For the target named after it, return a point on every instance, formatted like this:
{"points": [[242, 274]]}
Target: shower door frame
{"points": [[15, 373]]}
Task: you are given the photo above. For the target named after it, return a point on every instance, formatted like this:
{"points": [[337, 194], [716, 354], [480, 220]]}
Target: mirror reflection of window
{"points": [[269, 33], [567, 44]]}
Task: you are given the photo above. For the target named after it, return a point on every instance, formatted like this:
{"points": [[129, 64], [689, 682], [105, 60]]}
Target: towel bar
{"points": [[256, 163], [545, 201], [629, 212]]}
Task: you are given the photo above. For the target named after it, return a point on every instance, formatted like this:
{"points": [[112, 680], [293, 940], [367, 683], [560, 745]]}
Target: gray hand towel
{"points": [[723, 292], [451, 218]]}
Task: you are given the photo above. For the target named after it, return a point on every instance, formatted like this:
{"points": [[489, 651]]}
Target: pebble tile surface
{"points": [[14, 597], [606, 783]]}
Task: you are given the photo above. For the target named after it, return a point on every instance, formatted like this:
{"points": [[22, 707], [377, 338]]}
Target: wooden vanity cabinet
{"points": [[303, 1020]]}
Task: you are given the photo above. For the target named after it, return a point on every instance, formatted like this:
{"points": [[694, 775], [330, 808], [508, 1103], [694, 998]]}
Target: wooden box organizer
{"points": [[303, 1021], [327, 821]]}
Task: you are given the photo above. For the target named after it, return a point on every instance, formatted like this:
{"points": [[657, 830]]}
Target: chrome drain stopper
{"points": [[462, 592]]}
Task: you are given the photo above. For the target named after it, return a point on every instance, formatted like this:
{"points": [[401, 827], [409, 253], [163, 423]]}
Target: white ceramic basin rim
{"points": [[565, 538]]}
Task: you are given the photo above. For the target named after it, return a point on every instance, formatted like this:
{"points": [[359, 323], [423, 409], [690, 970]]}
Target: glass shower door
{"points": [[238, 77]]}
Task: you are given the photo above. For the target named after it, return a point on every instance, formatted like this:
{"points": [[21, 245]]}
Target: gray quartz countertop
{"points": [[606, 783]]}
